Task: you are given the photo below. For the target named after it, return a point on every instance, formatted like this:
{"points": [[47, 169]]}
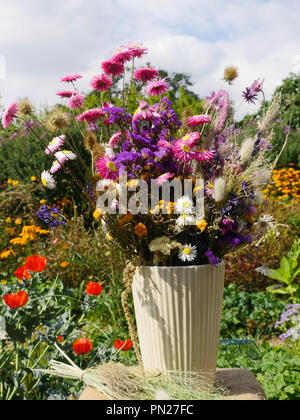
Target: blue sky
{"points": [[42, 41]]}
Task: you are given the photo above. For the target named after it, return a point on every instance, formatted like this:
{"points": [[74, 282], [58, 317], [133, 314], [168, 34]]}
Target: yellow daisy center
{"points": [[187, 251], [185, 148], [111, 166], [185, 138]]}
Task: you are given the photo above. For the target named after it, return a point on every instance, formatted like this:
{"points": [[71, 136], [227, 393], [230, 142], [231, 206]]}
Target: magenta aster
{"points": [[113, 68], [101, 83], [183, 150], [137, 51], [123, 54], [198, 120], [65, 93], [145, 75], [107, 169], [205, 155], [77, 101], [9, 115], [55, 144], [191, 138], [157, 87], [115, 140], [146, 112], [91, 115], [164, 178], [71, 77]]}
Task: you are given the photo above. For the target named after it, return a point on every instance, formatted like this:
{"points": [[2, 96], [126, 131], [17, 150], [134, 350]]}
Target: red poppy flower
{"points": [[93, 289], [59, 339], [82, 346], [21, 273], [36, 263], [124, 345], [16, 300]]}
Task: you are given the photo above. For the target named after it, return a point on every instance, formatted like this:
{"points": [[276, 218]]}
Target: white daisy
{"points": [[188, 253], [185, 220], [184, 206], [48, 180], [65, 155], [267, 222], [264, 269]]}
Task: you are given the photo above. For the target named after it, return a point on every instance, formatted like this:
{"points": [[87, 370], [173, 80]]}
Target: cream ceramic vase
{"points": [[178, 313]]}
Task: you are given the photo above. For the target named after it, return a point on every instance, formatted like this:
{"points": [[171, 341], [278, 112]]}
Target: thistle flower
{"points": [[90, 142], [101, 83], [48, 180], [9, 115], [55, 144], [247, 149], [25, 108], [157, 87], [145, 74], [188, 254], [250, 94], [71, 78], [57, 120], [230, 74], [219, 191]]}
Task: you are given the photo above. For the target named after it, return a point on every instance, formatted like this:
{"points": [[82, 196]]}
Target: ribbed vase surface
{"points": [[178, 313]]}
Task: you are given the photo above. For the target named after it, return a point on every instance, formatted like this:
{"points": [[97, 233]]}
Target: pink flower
{"points": [[113, 68], [205, 155], [137, 51], [164, 178], [145, 75], [77, 101], [65, 93], [115, 140], [91, 115], [107, 169], [157, 87], [56, 166], [122, 55], [55, 144], [101, 83], [198, 120], [146, 112], [165, 144], [9, 115], [71, 78], [191, 138], [183, 150]]}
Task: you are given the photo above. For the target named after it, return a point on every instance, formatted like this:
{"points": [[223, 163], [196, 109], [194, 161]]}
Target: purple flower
{"points": [[212, 259], [250, 94], [51, 217]]}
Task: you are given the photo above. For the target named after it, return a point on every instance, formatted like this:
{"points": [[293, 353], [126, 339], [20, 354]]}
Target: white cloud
{"points": [[43, 41]]}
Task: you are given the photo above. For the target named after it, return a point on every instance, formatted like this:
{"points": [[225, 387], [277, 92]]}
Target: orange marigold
{"points": [[141, 230]]}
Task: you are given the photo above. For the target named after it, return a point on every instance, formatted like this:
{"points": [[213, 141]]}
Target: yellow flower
{"points": [[5, 254], [64, 264], [3, 282], [18, 221], [98, 213], [33, 178], [15, 183], [8, 220], [43, 201], [9, 181], [140, 230], [19, 241], [109, 237], [202, 225]]}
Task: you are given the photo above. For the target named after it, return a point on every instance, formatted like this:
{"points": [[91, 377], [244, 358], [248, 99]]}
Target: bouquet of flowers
{"points": [[171, 190]]}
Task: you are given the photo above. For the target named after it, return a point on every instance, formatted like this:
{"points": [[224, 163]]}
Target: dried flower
{"points": [[57, 120], [230, 74], [25, 108], [219, 191]]}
